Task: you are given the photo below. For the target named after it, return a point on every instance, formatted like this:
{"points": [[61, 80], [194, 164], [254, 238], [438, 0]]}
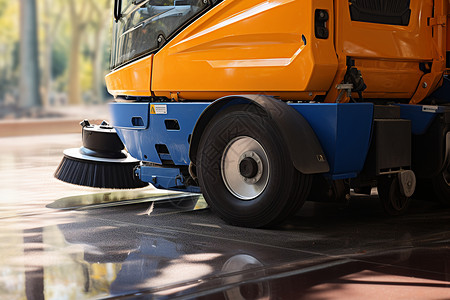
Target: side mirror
{"points": [[117, 10]]}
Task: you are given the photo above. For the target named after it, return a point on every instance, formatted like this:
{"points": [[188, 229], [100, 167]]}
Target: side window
{"points": [[392, 12]]}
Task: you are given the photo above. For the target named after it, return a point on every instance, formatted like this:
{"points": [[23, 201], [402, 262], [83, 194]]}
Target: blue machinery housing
{"points": [[160, 132]]}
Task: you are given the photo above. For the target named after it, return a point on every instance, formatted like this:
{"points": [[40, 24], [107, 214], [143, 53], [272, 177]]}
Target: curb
{"points": [[40, 127]]}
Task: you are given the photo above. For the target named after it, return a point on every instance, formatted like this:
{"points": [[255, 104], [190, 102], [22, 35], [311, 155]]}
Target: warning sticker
{"points": [[158, 109]]}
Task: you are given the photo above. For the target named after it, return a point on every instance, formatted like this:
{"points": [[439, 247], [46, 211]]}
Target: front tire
{"points": [[245, 171], [441, 186]]}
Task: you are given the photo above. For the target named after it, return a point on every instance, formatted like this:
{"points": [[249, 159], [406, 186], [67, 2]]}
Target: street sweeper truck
{"points": [[263, 104]]}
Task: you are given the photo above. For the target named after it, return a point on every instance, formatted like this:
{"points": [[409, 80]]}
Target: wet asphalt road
{"points": [[59, 241]]}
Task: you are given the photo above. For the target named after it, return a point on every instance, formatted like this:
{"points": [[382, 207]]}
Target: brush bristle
{"points": [[98, 174]]}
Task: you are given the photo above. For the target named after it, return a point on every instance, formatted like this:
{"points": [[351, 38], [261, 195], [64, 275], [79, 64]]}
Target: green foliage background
{"points": [[54, 19]]}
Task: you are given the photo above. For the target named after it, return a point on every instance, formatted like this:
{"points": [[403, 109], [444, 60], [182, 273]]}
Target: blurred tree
{"points": [[52, 16], [101, 23], [29, 64], [9, 48], [59, 60], [80, 13], [64, 28]]}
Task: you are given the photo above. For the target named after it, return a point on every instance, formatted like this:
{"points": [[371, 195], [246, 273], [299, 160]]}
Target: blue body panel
{"points": [[164, 178], [443, 93], [124, 114], [421, 116], [140, 141], [344, 131]]}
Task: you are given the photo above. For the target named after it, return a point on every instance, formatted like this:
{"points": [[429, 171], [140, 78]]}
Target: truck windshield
{"points": [[142, 26]]}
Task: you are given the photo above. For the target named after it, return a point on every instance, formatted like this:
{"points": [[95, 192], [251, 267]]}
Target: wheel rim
{"points": [[235, 158], [238, 264], [446, 175], [398, 201]]}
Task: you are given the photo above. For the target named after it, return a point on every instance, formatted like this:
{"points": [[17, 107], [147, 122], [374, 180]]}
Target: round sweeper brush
{"points": [[101, 162]]}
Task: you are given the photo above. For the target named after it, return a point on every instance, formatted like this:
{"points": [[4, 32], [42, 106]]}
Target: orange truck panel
{"points": [[132, 79], [249, 46], [389, 56], [269, 47]]}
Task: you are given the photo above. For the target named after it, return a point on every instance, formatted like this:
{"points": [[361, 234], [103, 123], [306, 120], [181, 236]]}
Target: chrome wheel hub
{"points": [[245, 168]]}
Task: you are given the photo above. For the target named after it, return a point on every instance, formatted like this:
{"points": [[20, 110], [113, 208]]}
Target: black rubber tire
{"points": [[286, 189], [436, 189], [392, 200], [424, 191], [441, 186]]}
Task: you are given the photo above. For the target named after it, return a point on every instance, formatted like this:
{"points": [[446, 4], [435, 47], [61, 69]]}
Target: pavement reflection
{"points": [[187, 201], [59, 241]]}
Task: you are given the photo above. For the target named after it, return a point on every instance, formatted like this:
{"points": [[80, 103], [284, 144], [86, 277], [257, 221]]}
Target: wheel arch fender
{"points": [[303, 145]]}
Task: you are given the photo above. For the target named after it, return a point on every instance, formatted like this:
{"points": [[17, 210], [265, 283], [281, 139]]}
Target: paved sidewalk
{"points": [[69, 122]]}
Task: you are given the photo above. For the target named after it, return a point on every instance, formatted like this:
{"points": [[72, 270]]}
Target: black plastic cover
{"points": [[101, 141], [393, 144], [392, 12], [390, 149], [386, 112]]}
